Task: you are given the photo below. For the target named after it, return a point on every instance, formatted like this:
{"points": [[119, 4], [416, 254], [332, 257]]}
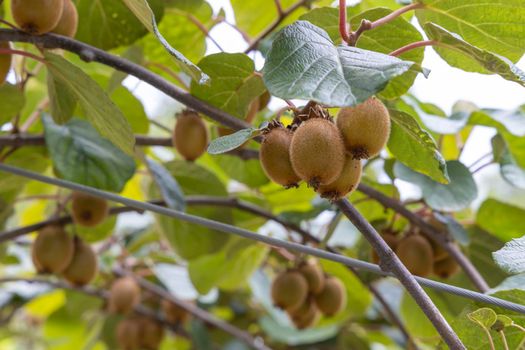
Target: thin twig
{"points": [[21, 53], [343, 25], [204, 30], [412, 46]]}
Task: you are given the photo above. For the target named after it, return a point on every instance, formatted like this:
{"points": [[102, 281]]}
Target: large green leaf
{"points": [[248, 172], [12, 100], [482, 245], [234, 83], [168, 186], [496, 26], [509, 223], [459, 53], [100, 111], [304, 63], [62, 102], [511, 257], [81, 155], [509, 168], [108, 24], [132, 109], [415, 148], [454, 196]]}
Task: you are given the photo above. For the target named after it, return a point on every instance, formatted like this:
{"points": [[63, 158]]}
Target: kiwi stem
{"points": [[21, 53], [343, 25], [412, 46], [391, 263]]}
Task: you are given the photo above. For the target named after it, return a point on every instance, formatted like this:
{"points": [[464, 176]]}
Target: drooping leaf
{"points": [[12, 100], [509, 224], [509, 168], [234, 83], [230, 142], [459, 53], [456, 195], [100, 111], [304, 63], [62, 101], [511, 257], [170, 189], [81, 155], [415, 148]]}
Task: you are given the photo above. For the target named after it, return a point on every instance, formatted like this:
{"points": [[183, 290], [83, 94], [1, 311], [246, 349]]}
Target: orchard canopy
{"points": [[262, 174]]}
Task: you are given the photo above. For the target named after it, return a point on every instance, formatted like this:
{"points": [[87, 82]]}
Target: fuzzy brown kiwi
{"points": [[264, 99], [306, 315], [446, 267], [317, 152], [152, 334], [275, 156], [124, 295], [5, 62], [37, 16], [345, 183], [88, 210], [365, 128], [289, 290], [439, 252], [415, 252], [83, 267], [190, 136], [129, 334], [53, 249], [174, 313], [391, 240], [68, 23], [332, 298], [314, 276]]}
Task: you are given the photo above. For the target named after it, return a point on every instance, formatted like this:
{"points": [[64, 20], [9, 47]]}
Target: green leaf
{"points": [[146, 16], [109, 24], [234, 83], [496, 26], [100, 111], [228, 269], [509, 223], [304, 63], [415, 148], [12, 100], [511, 121], [482, 245], [230, 142], [456, 195], [61, 100], [511, 257], [81, 155], [170, 189], [248, 172], [509, 168], [502, 321], [132, 108], [459, 53], [484, 317]]}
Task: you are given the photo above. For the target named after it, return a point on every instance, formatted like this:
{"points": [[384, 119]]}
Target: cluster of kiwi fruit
{"points": [[421, 255], [56, 251], [40, 17], [323, 153], [136, 332], [306, 293]]}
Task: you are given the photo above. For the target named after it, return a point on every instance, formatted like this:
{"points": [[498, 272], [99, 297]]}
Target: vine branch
{"points": [[413, 46]]}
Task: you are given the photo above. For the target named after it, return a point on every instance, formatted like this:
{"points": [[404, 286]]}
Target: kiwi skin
{"points": [[415, 252], [129, 334], [52, 250], [289, 290], [5, 62], [314, 276], [306, 316], [190, 136], [37, 16], [152, 334], [345, 183], [446, 267], [275, 157], [174, 313], [391, 240], [124, 295], [68, 23], [332, 298], [83, 267], [365, 128], [317, 152], [88, 210]]}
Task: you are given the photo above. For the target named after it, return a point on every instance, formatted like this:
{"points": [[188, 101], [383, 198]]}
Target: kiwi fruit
{"points": [[83, 267], [88, 210], [152, 334], [306, 316], [124, 295], [68, 22], [174, 313], [439, 252], [37, 16], [275, 157], [317, 152], [314, 276], [264, 100], [190, 136], [129, 334], [332, 298], [446, 268], [5, 62], [365, 128], [289, 290], [415, 252], [345, 183], [52, 250], [391, 240]]}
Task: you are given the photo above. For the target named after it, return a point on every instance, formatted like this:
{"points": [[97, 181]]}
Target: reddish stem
{"points": [[342, 21], [396, 14], [412, 46], [21, 53]]}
